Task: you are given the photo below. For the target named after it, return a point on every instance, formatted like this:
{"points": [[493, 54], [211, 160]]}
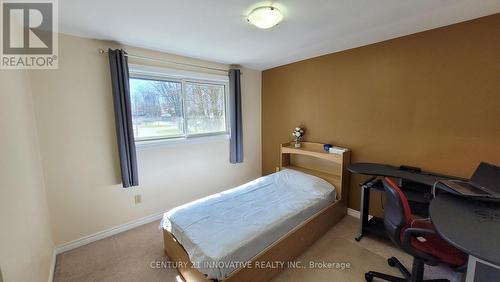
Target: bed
{"points": [[252, 231]]}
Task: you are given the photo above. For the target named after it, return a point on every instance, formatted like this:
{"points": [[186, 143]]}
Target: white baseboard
{"points": [[52, 266], [106, 233], [355, 213]]}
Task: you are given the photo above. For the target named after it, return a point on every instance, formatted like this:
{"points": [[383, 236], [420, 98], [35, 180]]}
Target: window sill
{"points": [[140, 145]]}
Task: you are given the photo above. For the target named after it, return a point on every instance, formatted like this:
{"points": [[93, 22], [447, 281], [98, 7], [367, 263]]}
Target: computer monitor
{"points": [[488, 176]]}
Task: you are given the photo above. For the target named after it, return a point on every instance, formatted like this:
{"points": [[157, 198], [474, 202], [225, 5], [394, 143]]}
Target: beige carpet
{"points": [[128, 257]]}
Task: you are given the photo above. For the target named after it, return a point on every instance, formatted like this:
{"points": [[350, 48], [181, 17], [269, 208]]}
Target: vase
{"points": [[297, 144]]}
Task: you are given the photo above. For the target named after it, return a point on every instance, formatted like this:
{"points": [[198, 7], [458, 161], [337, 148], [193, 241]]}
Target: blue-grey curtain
{"points": [[123, 117], [235, 116]]}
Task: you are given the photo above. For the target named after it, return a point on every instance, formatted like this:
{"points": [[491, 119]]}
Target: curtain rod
{"points": [[102, 51]]}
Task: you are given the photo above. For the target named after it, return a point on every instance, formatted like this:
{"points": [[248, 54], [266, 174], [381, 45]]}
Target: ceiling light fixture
{"points": [[265, 17]]}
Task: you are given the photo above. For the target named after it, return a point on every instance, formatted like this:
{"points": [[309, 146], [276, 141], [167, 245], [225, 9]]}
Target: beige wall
{"points": [[74, 111], [430, 99], [25, 237]]}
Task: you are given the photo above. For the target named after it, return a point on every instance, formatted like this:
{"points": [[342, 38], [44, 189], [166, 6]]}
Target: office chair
{"points": [[416, 237]]}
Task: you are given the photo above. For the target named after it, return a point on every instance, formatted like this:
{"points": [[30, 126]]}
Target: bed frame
{"points": [[309, 158]]}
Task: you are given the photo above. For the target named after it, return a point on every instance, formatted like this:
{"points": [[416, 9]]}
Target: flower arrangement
{"points": [[297, 134]]}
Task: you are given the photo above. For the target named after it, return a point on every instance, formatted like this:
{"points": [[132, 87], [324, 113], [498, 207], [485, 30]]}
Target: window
{"points": [[156, 108], [172, 106], [205, 108]]}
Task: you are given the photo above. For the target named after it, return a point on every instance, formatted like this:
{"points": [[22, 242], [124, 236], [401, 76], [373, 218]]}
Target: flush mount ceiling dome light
{"points": [[265, 17]]}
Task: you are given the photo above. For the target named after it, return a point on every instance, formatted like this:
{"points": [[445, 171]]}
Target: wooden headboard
{"points": [[311, 158]]}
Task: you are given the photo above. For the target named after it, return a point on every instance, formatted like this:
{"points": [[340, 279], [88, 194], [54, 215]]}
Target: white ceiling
{"points": [[217, 30]]}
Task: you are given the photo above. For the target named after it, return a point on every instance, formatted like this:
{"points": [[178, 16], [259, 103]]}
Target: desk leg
{"points": [[364, 209]]}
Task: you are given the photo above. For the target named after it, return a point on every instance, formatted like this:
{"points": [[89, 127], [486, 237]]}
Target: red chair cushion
{"points": [[404, 201], [436, 246]]}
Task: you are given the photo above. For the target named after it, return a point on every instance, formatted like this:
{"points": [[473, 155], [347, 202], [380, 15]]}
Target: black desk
{"points": [[416, 186], [423, 177], [471, 226]]}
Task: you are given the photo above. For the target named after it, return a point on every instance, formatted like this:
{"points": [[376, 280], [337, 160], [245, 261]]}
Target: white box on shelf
{"points": [[336, 150]]}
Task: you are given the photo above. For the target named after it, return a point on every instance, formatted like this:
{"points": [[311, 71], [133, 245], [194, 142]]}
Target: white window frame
{"points": [[182, 76]]}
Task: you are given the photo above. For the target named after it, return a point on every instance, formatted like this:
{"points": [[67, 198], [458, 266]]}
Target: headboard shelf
{"points": [[310, 158], [311, 149]]}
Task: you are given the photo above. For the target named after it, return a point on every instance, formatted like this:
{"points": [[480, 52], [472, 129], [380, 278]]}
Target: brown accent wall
{"points": [[430, 99]]}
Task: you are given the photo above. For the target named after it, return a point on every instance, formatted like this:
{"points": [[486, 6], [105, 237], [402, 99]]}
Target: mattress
{"points": [[223, 231]]}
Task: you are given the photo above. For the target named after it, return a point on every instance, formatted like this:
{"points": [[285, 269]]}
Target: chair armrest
{"points": [[415, 232]]}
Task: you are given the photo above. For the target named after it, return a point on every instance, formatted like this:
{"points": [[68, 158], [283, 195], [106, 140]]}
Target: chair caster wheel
{"points": [[368, 277], [391, 262]]}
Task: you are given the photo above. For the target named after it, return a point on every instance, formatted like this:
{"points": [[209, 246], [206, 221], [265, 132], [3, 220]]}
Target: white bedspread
{"points": [[233, 226]]}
